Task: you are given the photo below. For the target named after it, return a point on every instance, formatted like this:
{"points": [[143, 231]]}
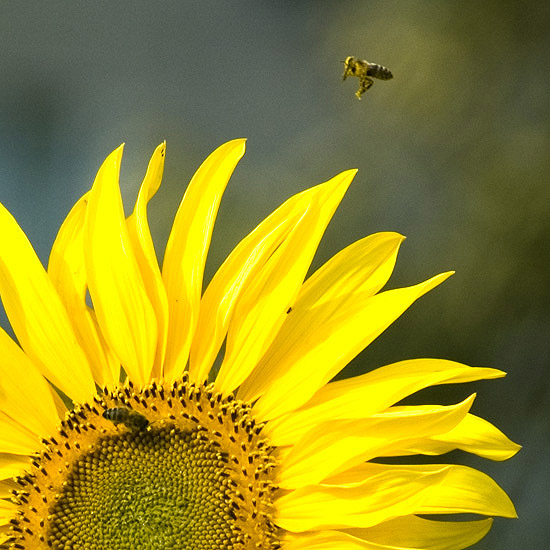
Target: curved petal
{"points": [[338, 445], [37, 315], [24, 393], [468, 491], [370, 393], [125, 314], [16, 438], [381, 497], [412, 532], [140, 236], [357, 272], [243, 264], [375, 493], [7, 511], [263, 305], [5, 531], [473, 435], [68, 273], [329, 540], [463, 490], [294, 370], [13, 465], [6, 487], [403, 533], [187, 247]]}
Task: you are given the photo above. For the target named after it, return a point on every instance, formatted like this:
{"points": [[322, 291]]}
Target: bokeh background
{"points": [[453, 153]]}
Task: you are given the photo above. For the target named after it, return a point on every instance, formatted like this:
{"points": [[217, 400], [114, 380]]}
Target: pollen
{"points": [[165, 466]]}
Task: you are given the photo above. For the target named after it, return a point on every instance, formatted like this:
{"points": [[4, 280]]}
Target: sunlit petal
{"points": [[338, 445], [380, 497], [294, 369], [262, 307], [245, 262], [328, 540], [357, 272], [418, 533], [13, 465], [37, 315], [462, 490], [24, 394], [68, 273], [120, 300], [386, 492], [16, 438], [187, 247], [403, 533], [140, 236], [472, 434], [370, 393]]}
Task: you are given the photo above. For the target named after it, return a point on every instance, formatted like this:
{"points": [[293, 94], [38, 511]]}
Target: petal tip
{"points": [[115, 156], [238, 145]]}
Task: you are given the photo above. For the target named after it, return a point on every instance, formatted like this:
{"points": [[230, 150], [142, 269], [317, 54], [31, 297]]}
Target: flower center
{"points": [[176, 467], [145, 490]]}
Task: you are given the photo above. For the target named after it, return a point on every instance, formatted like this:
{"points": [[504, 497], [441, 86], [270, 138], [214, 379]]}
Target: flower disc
{"points": [[179, 468], [145, 490]]}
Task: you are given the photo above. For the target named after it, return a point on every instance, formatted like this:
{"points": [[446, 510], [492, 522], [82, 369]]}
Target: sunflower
{"points": [[138, 412]]}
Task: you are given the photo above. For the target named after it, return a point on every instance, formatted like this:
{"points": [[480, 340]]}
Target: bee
{"points": [[131, 419], [363, 70]]}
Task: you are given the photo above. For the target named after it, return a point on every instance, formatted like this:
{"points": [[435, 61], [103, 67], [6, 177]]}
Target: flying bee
{"points": [[131, 419], [363, 70]]}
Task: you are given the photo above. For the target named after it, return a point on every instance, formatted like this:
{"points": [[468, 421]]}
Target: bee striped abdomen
{"points": [[379, 71], [130, 418]]}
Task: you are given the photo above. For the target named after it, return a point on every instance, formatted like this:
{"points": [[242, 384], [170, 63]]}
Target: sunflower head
{"points": [[262, 451]]}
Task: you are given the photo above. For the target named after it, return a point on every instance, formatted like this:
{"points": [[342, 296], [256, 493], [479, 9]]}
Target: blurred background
{"points": [[453, 153]]}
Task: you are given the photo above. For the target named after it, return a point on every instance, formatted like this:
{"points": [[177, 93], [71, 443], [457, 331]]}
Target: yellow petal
{"points": [[357, 272], [462, 490], [263, 305], [24, 393], [473, 435], [403, 533], [16, 438], [140, 236], [328, 540], [243, 264], [6, 487], [68, 273], [383, 496], [294, 370], [335, 446], [7, 511], [390, 491], [37, 315], [465, 490], [370, 393], [5, 531], [124, 311], [417, 533], [187, 247], [12, 465]]}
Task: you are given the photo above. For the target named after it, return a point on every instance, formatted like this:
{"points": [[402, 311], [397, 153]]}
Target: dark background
{"points": [[453, 153]]}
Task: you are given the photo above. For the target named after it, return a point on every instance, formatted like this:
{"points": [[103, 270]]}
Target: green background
{"points": [[453, 153]]}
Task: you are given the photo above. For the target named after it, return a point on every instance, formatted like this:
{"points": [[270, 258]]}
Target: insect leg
{"points": [[364, 84]]}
